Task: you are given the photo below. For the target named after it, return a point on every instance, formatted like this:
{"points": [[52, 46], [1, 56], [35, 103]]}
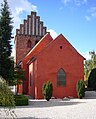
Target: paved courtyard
{"points": [[58, 109]]}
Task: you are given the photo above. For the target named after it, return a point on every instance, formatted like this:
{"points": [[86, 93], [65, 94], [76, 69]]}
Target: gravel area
{"points": [[58, 109]]}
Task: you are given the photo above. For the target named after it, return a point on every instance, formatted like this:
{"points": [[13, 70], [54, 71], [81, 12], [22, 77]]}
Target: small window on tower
{"points": [[29, 44]]}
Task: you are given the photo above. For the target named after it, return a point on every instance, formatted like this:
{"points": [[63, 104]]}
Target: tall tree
{"points": [[90, 64], [5, 40], [92, 79]]}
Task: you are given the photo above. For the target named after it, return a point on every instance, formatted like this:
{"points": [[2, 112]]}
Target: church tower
{"points": [[30, 32]]}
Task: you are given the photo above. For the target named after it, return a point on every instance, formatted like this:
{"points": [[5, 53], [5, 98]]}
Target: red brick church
{"points": [[44, 58]]}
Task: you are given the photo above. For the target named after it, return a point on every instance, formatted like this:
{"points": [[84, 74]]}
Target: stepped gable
{"points": [[32, 26]]}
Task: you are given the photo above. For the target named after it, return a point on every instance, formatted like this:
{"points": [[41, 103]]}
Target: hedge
{"points": [[21, 100]]}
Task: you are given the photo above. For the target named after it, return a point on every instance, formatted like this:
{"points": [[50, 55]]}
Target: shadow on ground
{"points": [[51, 103], [31, 118], [90, 95]]}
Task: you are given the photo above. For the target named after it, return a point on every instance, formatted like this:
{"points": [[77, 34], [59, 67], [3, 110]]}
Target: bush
{"points": [[21, 100], [47, 90], [6, 95], [80, 88]]}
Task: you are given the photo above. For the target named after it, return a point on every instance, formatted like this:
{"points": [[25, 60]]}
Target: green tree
{"points": [[47, 89], [6, 95], [7, 98], [5, 41], [80, 88], [92, 79], [90, 64]]}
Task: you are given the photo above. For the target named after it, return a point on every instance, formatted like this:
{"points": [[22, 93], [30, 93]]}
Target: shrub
{"points": [[47, 90], [21, 100], [6, 95], [80, 88]]}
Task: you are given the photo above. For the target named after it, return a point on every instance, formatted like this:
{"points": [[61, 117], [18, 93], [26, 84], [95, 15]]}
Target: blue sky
{"points": [[75, 19]]}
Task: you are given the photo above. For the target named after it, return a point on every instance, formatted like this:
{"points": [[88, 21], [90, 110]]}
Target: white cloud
{"points": [[92, 9], [80, 2], [86, 55], [87, 18], [19, 10], [92, 14], [66, 1], [13, 52], [76, 2], [53, 33], [1, 1]]}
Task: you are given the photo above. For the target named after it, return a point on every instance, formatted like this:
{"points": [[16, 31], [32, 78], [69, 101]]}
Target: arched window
{"points": [[61, 78], [29, 44]]}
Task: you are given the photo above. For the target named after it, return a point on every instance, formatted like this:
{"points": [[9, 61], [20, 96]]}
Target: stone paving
{"points": [[58, 109]]}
